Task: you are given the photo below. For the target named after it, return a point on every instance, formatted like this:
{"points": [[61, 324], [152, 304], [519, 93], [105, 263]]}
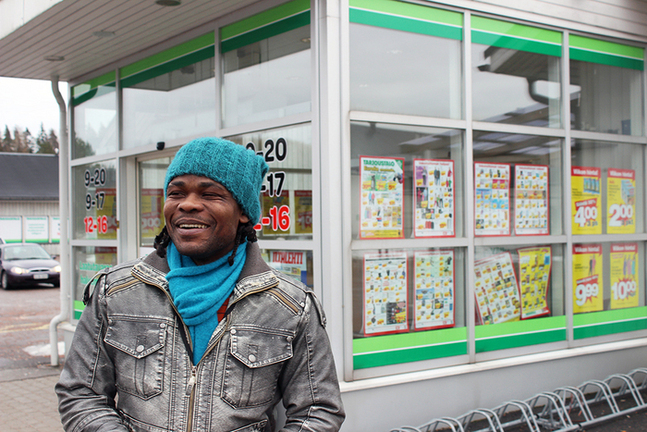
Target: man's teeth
{"points": [[192, 226]]}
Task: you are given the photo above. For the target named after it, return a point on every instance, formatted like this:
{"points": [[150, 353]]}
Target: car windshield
{"points": [[25, 253]]}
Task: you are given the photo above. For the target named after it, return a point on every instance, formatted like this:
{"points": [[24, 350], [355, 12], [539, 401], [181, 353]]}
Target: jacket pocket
{"points": [[139, 355], [256, 427], [252, 368]]}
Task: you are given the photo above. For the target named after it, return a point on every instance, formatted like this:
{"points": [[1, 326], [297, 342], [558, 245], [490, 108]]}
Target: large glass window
{"points": [[516, 73], [87, 261], [392, 163], [606, 86], [95, 117], [607, 193], [266, 65], [173, 99], [529, 199], [151, 199], [405, 59], [286, 196], [94, 202]]}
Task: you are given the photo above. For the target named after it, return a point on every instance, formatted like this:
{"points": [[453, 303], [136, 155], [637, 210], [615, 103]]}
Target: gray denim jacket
{"points": [[129, 367]]}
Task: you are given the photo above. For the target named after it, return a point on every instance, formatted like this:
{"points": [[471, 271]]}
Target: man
{"points": [[201, 335]]}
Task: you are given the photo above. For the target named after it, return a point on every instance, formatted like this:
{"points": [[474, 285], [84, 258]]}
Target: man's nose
{"points": [[191, 202]]}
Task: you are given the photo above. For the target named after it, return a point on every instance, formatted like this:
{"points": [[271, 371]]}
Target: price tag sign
{"points": [[624, 275], [621, 201], [586, 200], [587, 278]]}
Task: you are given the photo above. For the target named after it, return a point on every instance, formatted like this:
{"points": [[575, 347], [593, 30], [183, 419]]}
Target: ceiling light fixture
{"points": [[168, 2], [54, 58]]}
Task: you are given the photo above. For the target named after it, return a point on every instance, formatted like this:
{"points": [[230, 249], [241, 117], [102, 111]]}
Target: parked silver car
{"points": [[27, 264]]}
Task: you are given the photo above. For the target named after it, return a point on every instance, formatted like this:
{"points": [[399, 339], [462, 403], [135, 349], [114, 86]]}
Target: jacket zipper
{"points": [[122, 286], [285, 299]]}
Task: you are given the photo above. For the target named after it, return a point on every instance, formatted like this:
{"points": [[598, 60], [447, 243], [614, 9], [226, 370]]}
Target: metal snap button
{"points": [[139, 348], [233, 331], [289, 338], [252, 358], [162, 325]]}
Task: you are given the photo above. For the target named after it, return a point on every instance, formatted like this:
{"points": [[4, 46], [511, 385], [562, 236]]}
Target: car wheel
{"points": [[4, 281]]}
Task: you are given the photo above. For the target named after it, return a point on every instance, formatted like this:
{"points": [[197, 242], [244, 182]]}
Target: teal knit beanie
{"points": [[238, 169]]}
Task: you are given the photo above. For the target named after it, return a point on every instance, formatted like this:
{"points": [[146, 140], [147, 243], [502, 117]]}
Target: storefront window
{"points": [[519, 296], [94, 201], [87, 261], [406, 181], [408, 305], [405, 59], [95, 117], [606, 86], [516, 73], [174, 97], [266, 65], [293, 263], [606, 187], [518, 184], [286, 196], [151, 199], [608, 288]]}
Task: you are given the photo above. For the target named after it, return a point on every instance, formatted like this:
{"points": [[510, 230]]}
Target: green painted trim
{"points": [[95, 92], [170, 54], [363, 361], [514, 30], [504, 41], [520, 340], [78, 309], [517, 327], [406, 24], [610, 328], [605, 59], [408, 340], [612, 48], [85, 87], [13, 241], [37, 241], [265, 32], [604, 317], [409, 10], [170, 66], [262, 19]]}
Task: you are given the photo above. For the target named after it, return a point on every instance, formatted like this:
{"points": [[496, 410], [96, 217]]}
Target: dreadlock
{"points": [[245, 231]]}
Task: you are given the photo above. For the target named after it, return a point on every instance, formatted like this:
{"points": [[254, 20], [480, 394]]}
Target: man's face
{"points": [[202, 217]]}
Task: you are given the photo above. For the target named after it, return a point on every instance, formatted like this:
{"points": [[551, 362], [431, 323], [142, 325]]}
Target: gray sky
{"points": [[28, 103]]}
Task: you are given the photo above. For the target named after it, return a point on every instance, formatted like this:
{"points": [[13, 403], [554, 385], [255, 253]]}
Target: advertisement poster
{"points": [[497, 292], [55, 229], [291, 263], [531, 200], [492, 185], [105, 225], [587, 202], [385, 293], [152, 203], [621, 201], [534, 273], [382, 197], [273, 213], [624, 275], [434, 213], [587, 278], [303, 211], [434, 292], [36, 229], [11, 229]]}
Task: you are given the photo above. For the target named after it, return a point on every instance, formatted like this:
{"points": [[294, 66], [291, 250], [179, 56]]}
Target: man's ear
{"points": [[243, 218]]}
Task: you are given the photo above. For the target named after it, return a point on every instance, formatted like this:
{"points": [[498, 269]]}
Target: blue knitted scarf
{"points": [[199, 291]]}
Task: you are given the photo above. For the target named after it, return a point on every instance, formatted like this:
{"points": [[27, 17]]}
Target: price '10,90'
{"points": [[622, 290], [100, 225]]}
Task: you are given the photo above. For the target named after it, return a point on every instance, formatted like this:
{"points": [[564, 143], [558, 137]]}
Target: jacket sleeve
{"points": [[309, 382], [86, 389]]}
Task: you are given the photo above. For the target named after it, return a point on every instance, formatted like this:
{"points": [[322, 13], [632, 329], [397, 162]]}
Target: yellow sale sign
{"points": [[586, 207], [621, 201], [624, 275], [587, 278]]}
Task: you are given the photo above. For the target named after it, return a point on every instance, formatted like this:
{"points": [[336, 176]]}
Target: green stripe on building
{"points": [[604, 52], [520, 333], [264, 18], [407, 355], [78, 309], [408, 17], [95, 92], [94, 87], [520, 37], [609, 322], [408, 347], [170, 66], [267, 31]]}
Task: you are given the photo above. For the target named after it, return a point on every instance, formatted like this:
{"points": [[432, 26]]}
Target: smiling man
{"points": [[201, 335]]}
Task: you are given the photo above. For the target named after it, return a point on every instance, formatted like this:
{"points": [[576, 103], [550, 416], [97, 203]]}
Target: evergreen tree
{"points": [[20, 144], [42, 142], [7, 142]]}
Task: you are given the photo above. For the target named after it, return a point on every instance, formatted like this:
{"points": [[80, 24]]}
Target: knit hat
{"points": [[238, 169]]}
